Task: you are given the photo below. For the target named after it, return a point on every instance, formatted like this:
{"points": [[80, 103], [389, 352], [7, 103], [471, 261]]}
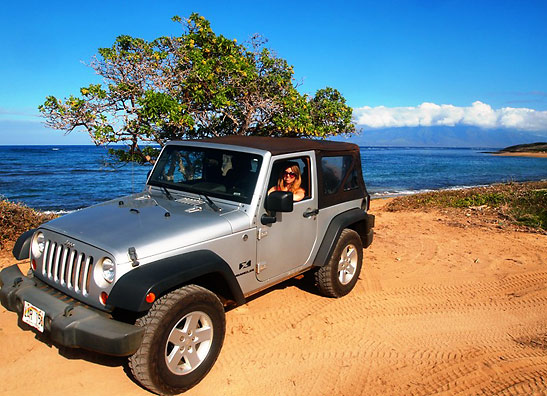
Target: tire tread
{"points": [[138, 363], [326, 276]]}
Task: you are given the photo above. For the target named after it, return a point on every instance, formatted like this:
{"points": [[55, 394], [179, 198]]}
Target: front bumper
{"points": [[68, 322]]}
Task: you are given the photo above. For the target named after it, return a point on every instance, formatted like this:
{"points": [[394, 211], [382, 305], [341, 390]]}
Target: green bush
{"points": [[490, 199], [530, 209]]}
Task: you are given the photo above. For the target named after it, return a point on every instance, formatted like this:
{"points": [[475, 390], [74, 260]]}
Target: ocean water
{"points": [[65, 178], [392, 171]]}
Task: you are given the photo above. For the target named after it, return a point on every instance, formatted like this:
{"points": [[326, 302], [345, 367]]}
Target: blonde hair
{"points": [[297, 179]]}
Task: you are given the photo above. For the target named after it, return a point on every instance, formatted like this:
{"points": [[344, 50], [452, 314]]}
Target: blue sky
{"points": [[398, 63]]}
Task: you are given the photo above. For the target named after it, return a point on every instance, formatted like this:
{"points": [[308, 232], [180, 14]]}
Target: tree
{"points": [[195, 85]]}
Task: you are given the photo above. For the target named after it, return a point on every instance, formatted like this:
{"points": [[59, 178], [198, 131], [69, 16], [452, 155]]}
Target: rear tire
{"points": [[339, 276], [184, 332]]}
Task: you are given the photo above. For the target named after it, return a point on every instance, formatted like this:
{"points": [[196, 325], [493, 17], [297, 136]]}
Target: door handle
{"points": [[311, 212]]}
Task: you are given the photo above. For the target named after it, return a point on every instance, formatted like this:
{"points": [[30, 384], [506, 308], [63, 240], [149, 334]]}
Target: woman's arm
{"points": [[299, 195]]}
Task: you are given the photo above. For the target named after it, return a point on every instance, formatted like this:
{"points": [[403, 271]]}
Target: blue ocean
{"points": [[65, 178]]}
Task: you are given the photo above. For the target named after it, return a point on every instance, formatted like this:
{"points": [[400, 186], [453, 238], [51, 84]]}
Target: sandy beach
{"points": [[522, 154], [444, 306]]}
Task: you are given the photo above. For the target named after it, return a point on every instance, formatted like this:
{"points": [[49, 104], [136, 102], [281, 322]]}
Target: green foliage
{"points": [[478, 199], [530, 209], [147, 153], [539, 147], [198, 84]]}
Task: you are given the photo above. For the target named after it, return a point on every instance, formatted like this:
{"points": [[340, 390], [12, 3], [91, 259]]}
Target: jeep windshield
{"points": [[217, 173]]}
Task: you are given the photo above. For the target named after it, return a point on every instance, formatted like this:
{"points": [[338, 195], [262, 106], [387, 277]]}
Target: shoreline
{"points": [[406, 193], [522, 154], [22, 214], [373, 194]]}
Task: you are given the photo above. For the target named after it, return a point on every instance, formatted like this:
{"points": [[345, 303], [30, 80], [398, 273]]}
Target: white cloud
{"points": [[23, 114], [430, 114]]}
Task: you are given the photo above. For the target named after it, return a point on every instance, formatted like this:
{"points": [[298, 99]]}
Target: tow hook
{"points": [[68, 310]]}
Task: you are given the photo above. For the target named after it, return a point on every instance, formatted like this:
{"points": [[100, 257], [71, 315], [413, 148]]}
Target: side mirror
{"points": [[277, 201]]}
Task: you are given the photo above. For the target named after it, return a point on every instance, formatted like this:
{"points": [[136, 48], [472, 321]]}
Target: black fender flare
{"points": [[21, 249], [168, 274], [356, 219]]}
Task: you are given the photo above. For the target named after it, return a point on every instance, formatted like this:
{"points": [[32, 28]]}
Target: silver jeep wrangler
{"points": [[150, 275]]}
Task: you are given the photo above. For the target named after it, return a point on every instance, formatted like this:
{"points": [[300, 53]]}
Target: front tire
{"points": [[339, 276], [184, 332]]}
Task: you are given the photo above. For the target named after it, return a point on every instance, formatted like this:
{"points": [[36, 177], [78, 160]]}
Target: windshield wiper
{"points": [[210, 202], [167, 193]]}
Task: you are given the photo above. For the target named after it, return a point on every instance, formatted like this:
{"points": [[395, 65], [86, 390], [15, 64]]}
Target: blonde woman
{"points": [[290, 179]]}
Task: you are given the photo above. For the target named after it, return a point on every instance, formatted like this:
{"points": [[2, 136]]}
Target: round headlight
{"points": [[109, 270], [38, 244]]}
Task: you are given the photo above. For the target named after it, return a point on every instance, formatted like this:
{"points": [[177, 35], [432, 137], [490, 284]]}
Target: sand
{"points": [[442, 307], [522, 154]]}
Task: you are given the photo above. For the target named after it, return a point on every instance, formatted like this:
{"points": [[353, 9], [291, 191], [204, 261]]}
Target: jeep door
{"points": [[286, 245]]}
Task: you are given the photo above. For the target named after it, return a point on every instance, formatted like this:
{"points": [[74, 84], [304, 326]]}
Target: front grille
{"points": [[67, 267]]}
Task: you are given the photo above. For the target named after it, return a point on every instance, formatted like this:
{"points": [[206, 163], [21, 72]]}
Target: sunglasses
{"points": [[291, 174]]}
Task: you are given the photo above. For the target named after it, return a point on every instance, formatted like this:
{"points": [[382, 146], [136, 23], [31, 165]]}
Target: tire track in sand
{"points": [[406, 340]]}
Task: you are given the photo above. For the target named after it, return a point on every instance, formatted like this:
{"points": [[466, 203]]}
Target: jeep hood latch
{"points": [[132, 252]]}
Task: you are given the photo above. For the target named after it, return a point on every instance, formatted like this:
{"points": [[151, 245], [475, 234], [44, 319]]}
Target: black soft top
{"points": [[283, 145], [323, 149]]}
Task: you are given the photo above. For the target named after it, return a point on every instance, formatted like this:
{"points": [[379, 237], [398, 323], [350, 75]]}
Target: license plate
{"points": [[33, 316]]}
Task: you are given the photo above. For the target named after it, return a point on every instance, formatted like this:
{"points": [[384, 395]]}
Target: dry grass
{"points": [[518, 204], [16, 218]]}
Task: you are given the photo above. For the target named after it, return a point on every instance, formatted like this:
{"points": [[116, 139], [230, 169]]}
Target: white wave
{"points": [[58, 212], [399, 193]]}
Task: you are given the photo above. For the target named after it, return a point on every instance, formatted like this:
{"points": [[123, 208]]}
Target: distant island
{"points": [[525, 150]]}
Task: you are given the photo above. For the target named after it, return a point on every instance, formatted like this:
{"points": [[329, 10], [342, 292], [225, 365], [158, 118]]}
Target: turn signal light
{"points": [[150, 298], [103, 297], [33, 264]]}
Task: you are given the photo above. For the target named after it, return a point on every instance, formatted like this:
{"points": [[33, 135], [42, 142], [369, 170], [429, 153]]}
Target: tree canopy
{"points": [[198, 84]]}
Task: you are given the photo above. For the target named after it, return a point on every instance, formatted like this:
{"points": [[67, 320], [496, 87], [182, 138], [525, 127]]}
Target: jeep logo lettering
{"points": [[68, 244]]}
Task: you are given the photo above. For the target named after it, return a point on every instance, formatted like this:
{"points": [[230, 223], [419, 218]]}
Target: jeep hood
{"points": [[151, 225]]}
